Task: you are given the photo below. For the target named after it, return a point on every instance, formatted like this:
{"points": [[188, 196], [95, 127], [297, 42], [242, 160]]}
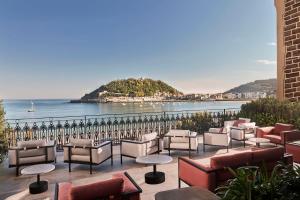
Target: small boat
{"points": [[32, 107], [124, 104]]}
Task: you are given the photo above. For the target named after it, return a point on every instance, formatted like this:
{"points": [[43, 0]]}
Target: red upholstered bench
{"points": [[213, 172], [121, 186]]}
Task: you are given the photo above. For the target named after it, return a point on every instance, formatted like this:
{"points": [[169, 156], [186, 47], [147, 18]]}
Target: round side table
{"points": [[38, 186], [154, 177], [259, 141]]}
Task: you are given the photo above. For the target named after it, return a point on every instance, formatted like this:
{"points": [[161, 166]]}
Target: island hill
{"points": [[131, 90]]}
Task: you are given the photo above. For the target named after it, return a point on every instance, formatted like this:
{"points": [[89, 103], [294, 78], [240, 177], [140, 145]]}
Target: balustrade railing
{"points": [[111, 126]]}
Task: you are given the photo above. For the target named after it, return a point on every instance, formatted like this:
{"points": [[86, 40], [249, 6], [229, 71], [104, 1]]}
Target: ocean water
{"points": [[17, 109]]}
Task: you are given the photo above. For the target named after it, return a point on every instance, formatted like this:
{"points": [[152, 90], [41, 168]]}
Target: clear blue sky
{"points": [[63, 49]]}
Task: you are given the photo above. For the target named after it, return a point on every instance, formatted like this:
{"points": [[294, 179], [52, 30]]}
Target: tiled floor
{"points": [[16, 187]]}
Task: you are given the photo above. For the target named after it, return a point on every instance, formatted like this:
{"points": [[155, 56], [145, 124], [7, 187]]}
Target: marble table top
{"points": [[154, 159], [37, 169]]}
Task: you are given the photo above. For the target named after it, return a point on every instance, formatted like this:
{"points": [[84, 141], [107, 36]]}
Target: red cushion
{"points": [[274, 138], [282, 127], [233, 160], [64, 191], [105, 189], [267, 155], [239, 121], [128, 186]]}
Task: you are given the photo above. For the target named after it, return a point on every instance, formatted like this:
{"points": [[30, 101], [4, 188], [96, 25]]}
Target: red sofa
{"points": [[279, 134], [213, 172], [120, 187]]}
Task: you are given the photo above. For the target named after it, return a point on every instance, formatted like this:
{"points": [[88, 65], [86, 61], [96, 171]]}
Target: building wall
{"points": [[288, 49]]}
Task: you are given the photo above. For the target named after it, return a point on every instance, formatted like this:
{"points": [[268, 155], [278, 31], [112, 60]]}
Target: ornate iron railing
{"points": [[109, 126]]}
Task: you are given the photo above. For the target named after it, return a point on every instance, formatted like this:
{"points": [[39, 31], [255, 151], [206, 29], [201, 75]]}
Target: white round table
{"points": [[154, 177], [38, 186], [259, 141]]}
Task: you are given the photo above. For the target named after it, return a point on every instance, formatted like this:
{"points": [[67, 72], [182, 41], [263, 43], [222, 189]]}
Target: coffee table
{"points": [[259, 141], [38, 186], [154, 177], [188, 193]]}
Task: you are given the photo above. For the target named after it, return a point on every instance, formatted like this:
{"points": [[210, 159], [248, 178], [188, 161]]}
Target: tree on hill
{"points": [[134, 88]]}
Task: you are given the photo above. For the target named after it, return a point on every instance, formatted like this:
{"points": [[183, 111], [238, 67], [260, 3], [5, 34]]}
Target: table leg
{"points": [[154, 177], [38, 186]]}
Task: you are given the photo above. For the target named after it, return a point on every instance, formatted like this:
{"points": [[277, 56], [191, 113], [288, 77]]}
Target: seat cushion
{"points": [[179, 133], [31, 152], [179, 140], [110, 189], [268, 157], [80, 151], [279, 127], [274, 138], [231, 160], [31, 143], [81, 142], [32, 160], [80, 158], [179, 145]]}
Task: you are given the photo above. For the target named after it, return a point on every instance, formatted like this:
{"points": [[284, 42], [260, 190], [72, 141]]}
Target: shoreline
{"points": [[162, 101]]}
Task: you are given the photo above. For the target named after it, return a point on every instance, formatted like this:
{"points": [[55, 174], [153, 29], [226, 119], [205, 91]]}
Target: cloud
{"points": [[272, 44], [266, 62]]}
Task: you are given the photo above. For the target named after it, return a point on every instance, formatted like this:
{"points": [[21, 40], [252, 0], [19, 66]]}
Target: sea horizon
{"points": [[48, 108]]}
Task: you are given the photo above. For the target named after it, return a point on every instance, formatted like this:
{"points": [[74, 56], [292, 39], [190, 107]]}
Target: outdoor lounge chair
{"points": [[279, 134], [30, 153], [218, 136], [83, 151], [149, 144], [242, 130], [182, 140]]}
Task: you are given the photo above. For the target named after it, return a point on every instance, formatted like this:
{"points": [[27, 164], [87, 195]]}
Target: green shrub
{"points": [[202, 121], [268, 111], [253, 183]]}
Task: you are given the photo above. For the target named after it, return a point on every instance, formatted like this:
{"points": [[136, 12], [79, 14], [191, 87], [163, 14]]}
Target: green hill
{"points": [[268, 86], [132, 87]]}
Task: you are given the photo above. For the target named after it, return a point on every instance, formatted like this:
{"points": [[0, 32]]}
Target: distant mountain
{"points": [[133, 88], [268, 86]]}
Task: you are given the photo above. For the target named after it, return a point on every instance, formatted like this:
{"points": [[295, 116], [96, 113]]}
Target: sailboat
{"points": [[32, 107]]}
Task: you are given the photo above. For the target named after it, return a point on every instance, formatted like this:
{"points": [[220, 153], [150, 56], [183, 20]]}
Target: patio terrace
{"points": [[12, 187]]}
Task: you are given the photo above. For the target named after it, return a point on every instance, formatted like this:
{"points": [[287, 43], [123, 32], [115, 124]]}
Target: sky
{"points": [[66, 48]]}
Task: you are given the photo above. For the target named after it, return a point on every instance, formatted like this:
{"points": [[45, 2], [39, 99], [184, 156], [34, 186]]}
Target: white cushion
{"points": [[81, 142], [31, 143], [149, 136], [247, 125], [216, 139], [180, 133]]}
